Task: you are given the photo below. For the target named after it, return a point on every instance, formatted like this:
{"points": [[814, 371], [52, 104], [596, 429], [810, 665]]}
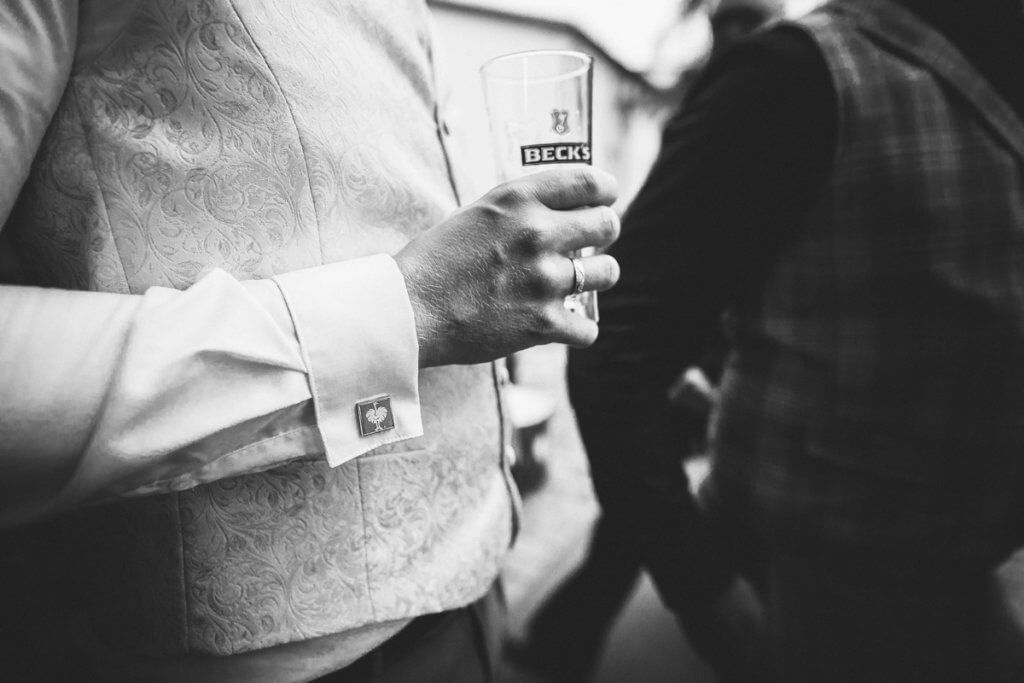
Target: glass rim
{"points": [[587, 60]]}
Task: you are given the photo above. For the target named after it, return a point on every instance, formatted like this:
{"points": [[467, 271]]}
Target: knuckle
{"points": [[512, 226], [610, 225], [585, 183], [508, 195], [530, 235], [490, 210], [547, 277]]}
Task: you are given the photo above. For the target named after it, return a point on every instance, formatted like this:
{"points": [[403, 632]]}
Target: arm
{"points": [[740, 165], [105, 395]]}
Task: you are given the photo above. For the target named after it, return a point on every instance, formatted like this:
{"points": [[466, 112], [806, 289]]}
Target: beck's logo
{"points": [[556, 153], [375, 415], [560, 121]]}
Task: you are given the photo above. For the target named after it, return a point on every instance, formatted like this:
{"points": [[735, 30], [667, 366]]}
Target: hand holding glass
{"points": [[539, 107]]}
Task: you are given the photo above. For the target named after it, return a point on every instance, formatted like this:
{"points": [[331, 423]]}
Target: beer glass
{"points": [[538, 106]]}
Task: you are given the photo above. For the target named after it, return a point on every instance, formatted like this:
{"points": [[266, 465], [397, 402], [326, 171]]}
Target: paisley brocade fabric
{"points": [[185, 145], [261, 137]]}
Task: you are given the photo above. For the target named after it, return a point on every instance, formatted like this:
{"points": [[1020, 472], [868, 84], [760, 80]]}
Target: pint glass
{"points": [[538, 106]]}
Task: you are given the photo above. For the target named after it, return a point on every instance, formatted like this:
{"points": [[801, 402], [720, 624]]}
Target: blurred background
{"points": [[646, 52]]}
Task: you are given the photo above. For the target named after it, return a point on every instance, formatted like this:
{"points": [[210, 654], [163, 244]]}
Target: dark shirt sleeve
{"points": [[741, 163]]}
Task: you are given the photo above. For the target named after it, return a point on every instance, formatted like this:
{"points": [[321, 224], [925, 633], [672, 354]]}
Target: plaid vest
{"points": [[877, 392], [201, 133]]}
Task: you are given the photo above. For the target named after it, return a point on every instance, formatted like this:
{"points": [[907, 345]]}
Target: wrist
{"points": [[424, 320]]}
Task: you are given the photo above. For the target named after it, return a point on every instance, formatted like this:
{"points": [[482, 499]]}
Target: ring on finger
{"points": [[579, 276]]}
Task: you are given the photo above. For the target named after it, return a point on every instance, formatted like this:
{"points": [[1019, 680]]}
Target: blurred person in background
{"points": [[566, 637], [297, 435], [849, 187], [732, 20]]}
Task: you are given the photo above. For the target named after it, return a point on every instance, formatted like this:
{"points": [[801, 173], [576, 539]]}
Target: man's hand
{"points": [[492, 278]]}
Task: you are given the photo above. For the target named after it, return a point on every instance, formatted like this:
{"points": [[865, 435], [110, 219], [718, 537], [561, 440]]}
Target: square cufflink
{"points": [[375, 415]]}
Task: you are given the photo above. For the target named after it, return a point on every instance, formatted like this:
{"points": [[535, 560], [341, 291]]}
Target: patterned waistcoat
{"points": [[259, 136], [879, 386]]}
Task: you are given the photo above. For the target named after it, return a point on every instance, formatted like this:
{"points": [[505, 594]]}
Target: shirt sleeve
{"points": [[740, 165], [358, 339], [37, 44], [104, 395]]}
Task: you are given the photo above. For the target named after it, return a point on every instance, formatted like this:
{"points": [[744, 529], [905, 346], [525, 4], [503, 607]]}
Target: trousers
{"points": [[457, 646]]}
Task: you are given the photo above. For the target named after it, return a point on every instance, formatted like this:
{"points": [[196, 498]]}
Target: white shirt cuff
{"points": [[357, 334]]}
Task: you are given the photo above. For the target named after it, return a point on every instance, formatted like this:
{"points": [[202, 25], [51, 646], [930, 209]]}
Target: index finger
{"points": [[572, 188]]}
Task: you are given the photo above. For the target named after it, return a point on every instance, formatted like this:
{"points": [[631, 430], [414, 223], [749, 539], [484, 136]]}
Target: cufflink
{"points": [[375, 415]]}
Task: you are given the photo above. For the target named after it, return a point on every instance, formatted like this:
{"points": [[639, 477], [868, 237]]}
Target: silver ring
{"points": [[579, 276]]}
